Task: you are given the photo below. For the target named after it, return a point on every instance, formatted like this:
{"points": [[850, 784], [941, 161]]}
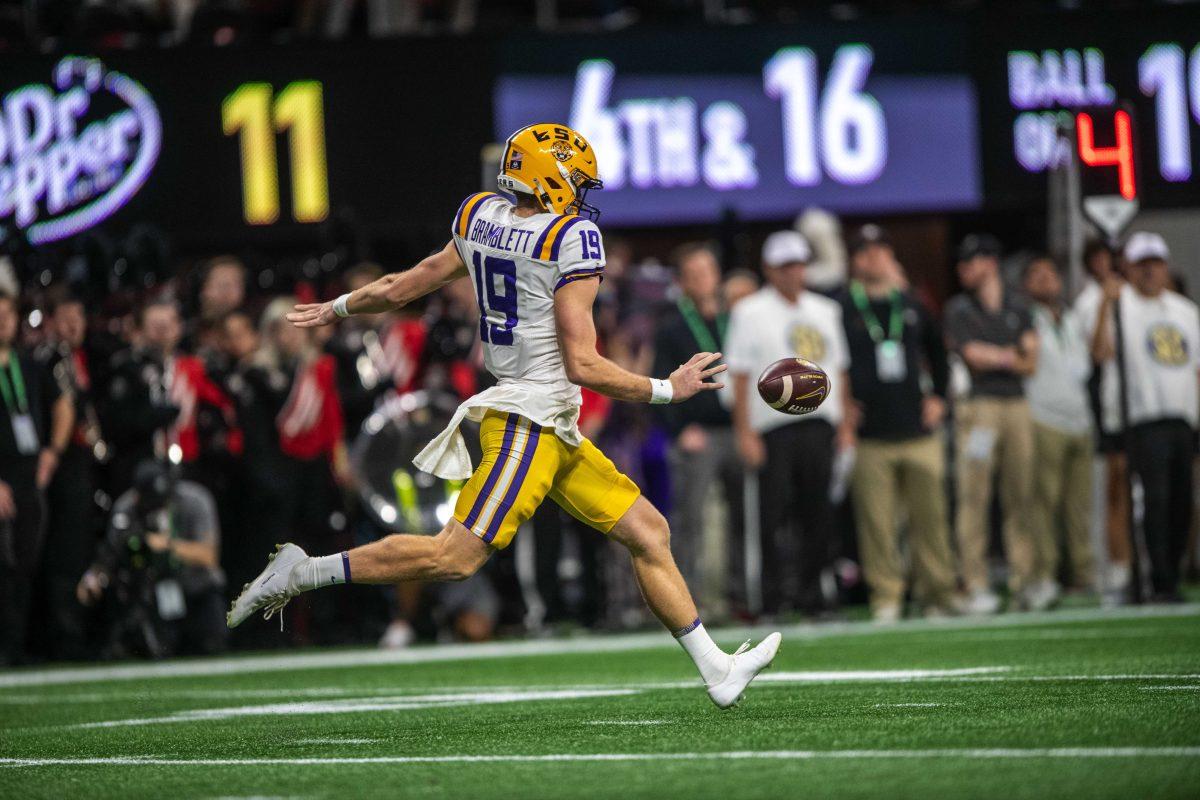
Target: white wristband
{"points": [[339, 305], [661, 391]]}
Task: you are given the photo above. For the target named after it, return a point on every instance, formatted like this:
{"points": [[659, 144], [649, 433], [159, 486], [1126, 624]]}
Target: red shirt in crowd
{"points": [[311, 423]]}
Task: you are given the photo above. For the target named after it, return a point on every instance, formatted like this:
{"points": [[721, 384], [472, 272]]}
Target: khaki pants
{"points": [[994, 433], [908, 476], [1062, 491]]}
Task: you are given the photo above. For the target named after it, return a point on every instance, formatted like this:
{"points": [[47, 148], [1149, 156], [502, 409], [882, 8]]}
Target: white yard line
{"points": [[447, 695], [337, 740], [908, 705], [1194, 688], [584, 645], [627, 722], [784, 755]]}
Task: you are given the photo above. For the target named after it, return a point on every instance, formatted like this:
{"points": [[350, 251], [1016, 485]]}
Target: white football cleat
{"points": [[744, 665], [272, 589]]}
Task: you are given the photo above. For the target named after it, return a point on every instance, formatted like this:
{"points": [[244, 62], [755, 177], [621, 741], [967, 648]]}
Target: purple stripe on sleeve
{"points": [[346, 564], [509, 430], [535, 431], [577, 274], [458, 215], [562, 235]]}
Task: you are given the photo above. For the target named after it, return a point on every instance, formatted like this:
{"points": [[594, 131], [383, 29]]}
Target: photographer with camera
{"points": [[158, 568]]}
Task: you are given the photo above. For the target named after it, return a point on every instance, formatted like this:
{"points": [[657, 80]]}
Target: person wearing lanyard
{"points": [[35, 426], [898, 376], [1063, 441], [703, 452]]}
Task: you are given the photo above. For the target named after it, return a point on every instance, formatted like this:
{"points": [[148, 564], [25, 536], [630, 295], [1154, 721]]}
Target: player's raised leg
{"points": [[452, 555], [645, 533]]}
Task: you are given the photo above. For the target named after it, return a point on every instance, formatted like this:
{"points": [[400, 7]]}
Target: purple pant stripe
{"points": [[494, 475], [535, 431]]}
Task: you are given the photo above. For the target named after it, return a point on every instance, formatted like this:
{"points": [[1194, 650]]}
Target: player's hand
{"points": [[692, 377], [751, 449], [312, 315]]}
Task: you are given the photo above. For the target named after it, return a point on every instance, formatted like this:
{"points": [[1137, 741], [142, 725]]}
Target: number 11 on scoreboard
{"points": [[250, 113]]}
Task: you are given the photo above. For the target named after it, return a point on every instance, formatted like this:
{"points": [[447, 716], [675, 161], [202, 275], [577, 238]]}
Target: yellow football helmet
{"points": [[554, 164]]}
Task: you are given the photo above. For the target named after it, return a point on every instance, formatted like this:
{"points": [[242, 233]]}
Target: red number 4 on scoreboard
{"points": [[1119, 156]]}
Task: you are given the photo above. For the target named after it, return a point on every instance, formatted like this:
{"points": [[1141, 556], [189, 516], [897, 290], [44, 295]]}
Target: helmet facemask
{"points": [[582, 183]]}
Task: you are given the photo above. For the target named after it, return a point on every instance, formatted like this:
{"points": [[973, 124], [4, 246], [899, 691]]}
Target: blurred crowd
{"points": [[43, 25], [153, 451]]}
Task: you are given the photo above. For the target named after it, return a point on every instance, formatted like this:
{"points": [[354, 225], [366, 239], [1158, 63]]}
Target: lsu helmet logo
{"points": [[561, 150], [555, 165]]}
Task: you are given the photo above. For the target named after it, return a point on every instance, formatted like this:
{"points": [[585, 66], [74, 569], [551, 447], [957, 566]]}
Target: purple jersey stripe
{"points": [[577, 274], [562, 236], [509, 431], [475, 210], [537, 246], [346, 564], [535, 431], [458, 214]]}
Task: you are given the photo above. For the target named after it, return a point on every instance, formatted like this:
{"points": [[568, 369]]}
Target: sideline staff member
{"points": [[900, 463], [1161, 331], [35, 426], [993, 333], [794, 455]]}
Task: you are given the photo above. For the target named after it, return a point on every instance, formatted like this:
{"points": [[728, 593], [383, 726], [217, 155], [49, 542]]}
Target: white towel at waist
{"points": [[446, 455]]}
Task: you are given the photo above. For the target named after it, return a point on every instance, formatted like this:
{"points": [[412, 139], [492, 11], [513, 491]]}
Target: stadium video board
{"points": [[1136, 84], [237, 145], [802, 121]]}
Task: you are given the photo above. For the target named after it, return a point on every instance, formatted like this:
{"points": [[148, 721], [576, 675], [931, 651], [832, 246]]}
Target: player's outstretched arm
{"points": [[392, 291], [586, 367]]}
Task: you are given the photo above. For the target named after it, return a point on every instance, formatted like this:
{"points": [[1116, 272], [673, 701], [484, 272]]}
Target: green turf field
{"points": [[1076, 704]]}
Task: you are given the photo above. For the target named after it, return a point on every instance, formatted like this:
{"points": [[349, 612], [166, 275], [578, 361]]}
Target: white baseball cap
{"points": [[785, 247], [1145, 245]]}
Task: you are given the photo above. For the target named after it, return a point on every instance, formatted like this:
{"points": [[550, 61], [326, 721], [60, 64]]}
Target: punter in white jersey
{"points": [[536, 265]]}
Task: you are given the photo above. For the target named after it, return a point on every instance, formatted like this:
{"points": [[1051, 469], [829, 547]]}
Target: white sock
{"points": [[712, 661], [317, 571]]}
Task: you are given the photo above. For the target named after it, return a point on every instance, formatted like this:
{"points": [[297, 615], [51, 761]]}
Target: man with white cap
{"points": [[793, 455], [1161, 348]]}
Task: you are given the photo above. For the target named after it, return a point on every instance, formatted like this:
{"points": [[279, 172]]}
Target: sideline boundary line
{"points": [[784, 755], [227, 665]]}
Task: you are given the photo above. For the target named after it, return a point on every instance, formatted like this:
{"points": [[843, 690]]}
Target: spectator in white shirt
{"points": [[1160, 347], [1063, 442], [793, 455]]}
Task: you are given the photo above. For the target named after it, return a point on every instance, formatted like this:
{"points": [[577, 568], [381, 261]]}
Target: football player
{"points": [[536, 265]]}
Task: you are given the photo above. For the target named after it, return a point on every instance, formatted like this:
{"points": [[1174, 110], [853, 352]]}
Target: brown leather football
{"points": [[793, 386]]}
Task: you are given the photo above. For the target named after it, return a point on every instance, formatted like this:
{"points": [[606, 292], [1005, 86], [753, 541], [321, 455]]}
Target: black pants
{"points": [[797, 515], [20, 556], [71, 538], [1160, 454]]}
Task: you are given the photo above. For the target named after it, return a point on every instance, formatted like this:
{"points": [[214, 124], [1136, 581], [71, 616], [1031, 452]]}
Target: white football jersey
{"points": [[516, 265]]}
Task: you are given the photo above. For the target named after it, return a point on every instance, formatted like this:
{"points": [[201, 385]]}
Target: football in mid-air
{"points": [[793, 386]]}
